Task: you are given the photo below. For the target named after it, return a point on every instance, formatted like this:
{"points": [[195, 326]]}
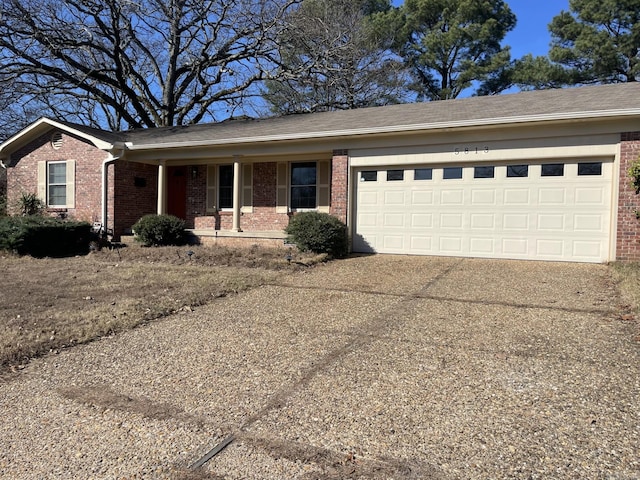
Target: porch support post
{"points": [[162, 187], [236, 194]]}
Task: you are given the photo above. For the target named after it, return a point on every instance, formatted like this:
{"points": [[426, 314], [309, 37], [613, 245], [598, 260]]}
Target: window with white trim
{"points": [[56, 183], [304, 185]]}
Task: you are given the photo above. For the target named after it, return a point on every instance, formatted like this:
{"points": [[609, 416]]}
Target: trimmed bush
{"points": [[319, 233], [44, 236], [160, 230]]}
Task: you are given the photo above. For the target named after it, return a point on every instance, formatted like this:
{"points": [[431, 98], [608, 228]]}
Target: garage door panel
{"points": [[589, 196], [517, 247], [422, 244], [451, 245], [551, 196], [482, 246], [525, 217], [393, 220], [394, 198], [515, 221], [483, 221], [589, 223], [419, 197], [551, 222], [519, 196], [451, 220], [547, 248], [421, 220], [452, 197], [483, 197]]}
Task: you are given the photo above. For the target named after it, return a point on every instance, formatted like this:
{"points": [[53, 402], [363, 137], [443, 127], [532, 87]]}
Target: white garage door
{"points": [[549, 211]]}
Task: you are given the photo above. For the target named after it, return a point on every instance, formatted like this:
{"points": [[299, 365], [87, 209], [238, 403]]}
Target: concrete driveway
{"points": [[371, 367]]}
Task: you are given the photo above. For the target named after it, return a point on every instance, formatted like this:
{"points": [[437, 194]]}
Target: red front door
{"points": [[177, 191]]}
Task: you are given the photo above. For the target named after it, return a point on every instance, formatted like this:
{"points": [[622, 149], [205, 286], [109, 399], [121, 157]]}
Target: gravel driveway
{"points": [[382, 367]]}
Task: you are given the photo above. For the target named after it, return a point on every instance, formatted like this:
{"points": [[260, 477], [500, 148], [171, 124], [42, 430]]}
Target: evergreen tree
{"points": [[597, 41], [451, 45]]}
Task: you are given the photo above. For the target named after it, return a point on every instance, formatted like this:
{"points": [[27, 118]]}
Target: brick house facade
{"points": [[159, 170], [128, 198]]}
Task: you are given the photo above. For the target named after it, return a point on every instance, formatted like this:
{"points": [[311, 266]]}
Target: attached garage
{"points": [[551, 210]]}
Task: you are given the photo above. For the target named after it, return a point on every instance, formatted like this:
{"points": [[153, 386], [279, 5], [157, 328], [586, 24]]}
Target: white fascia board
{"points": [[485, 122], [40, 126]]}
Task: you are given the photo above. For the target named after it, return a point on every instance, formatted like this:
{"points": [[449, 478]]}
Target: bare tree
{"points": [[139, 63], [333, 59]]}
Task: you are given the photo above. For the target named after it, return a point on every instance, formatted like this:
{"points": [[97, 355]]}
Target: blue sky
{"points": [[531, 34]]}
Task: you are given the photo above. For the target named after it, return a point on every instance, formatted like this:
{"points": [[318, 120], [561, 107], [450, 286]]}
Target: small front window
{"points": [[225, 191], [57, 184], [303, 185]]}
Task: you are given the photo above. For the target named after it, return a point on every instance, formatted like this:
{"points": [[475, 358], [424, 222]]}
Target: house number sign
{"points": [[472, 150]]}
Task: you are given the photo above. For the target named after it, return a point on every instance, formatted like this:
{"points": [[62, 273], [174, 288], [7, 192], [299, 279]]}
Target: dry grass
{"points": [[49, 304], [628, 275]]}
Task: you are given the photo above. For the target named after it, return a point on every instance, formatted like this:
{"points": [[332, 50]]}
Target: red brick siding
{"points": [[131, 200], [339, 184], [628, 235], [22, 175], [263, 217]]}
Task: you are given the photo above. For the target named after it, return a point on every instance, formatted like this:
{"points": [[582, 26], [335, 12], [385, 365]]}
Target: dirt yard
{"points": [[51, 304]]}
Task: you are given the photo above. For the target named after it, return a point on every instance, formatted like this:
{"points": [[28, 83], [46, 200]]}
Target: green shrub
{"points": [[159, 230], [44, 236], [30, 204], [319, 233]]}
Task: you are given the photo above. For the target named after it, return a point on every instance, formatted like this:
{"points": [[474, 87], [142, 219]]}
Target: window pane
{"points": [[451, 173], [483, 172], [226, 175], [58, 172], [553, 170], [518, 171], [303, 197], [303, 173], [395, 175], [57, 195], [303, 185], [225, 184], [591, 168], [369, 176], [423, 174]]}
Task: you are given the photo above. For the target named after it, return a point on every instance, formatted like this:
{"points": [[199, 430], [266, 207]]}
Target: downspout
{"points": [[111, 159]]}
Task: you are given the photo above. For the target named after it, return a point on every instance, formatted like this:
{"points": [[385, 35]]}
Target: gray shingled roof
{"points": [[508, 108]]}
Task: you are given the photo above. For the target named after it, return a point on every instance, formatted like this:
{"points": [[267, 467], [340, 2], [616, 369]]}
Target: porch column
{"points": [[162, 187], [236, 194]]}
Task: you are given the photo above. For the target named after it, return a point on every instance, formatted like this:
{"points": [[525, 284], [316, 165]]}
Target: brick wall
{"points": [[339, 184], [262, 218], [136, 187], [22, 174], [628, 235]]}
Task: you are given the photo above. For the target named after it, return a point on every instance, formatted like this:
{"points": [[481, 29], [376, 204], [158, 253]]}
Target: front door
{"points": [[177, 191]]}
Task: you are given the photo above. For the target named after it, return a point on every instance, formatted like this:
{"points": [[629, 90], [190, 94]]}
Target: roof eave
{"points": [[409, 128], [41, 126]]}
